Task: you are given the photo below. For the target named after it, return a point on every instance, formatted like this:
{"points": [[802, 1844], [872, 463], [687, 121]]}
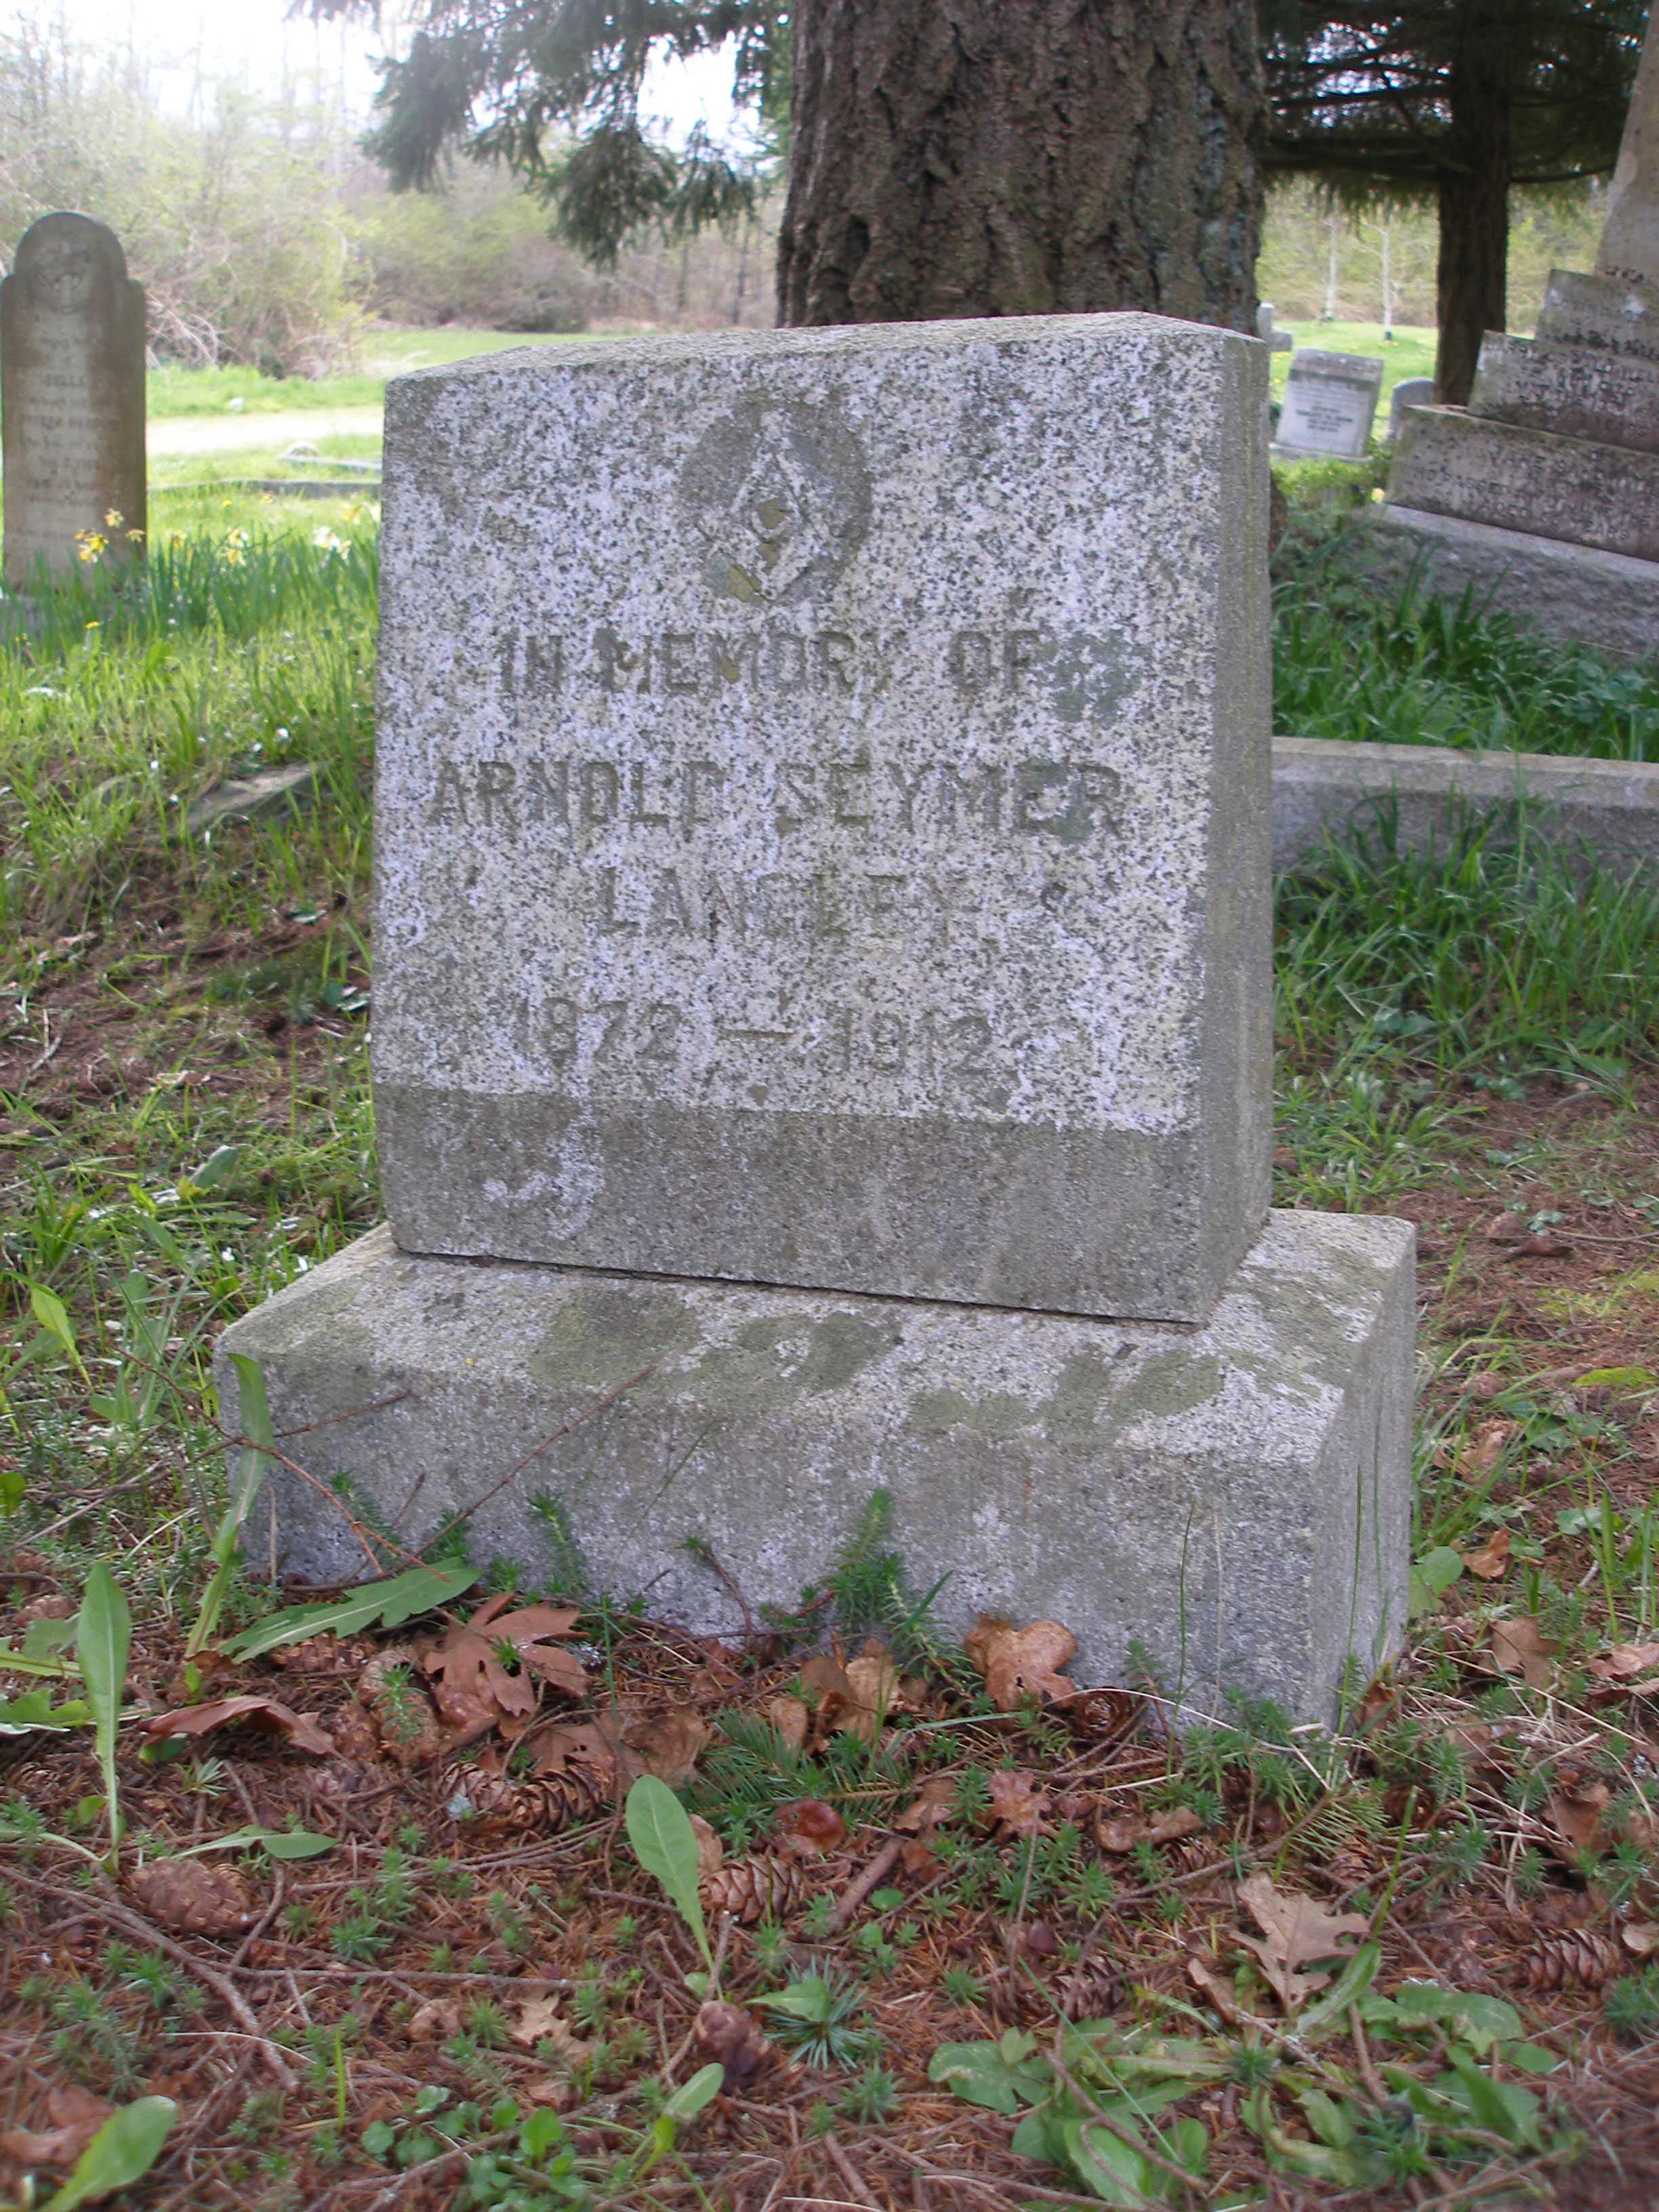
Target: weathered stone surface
{"points": [[1600, 312], [1566, 591], [1410, 392], [823, 811], [1599, 814], [1579, 392], [245, 797], [1237, 1497], [1451, 463], [1630, 237], [1330, 401], [72, 395]]}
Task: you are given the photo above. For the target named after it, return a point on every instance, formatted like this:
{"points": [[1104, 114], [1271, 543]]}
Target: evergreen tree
{"points": [[1453, 101], [946, 157]]}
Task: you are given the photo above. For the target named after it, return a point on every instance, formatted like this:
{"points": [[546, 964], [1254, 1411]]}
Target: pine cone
{"points": [[728, 2037], [196, 1899], [1088, 1993], [545, 1801], [765, 1888], [1581, 1959]]}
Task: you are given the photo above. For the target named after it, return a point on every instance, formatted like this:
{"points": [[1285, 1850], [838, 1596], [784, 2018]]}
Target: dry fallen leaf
{"points": [[1520, 1647], [1017, 1802], [1543, 1244], [1640, 1937], [1480, 1453], [75, 2115], [540, 2021], [301, 1731], [1018, 1662], [711, 1851], [1118, 1835], [473, 1685], [1507, 1229], [1577, 1817], [1493, 1560], [936, 1804], [1626, 1660], [434, 2021], [790, 1717], [1296, 1934], [1218, 1991], [669, 1743]]}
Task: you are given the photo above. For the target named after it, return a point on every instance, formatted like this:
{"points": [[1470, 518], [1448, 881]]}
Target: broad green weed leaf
{"points": [[53, 1317], [985, 2074], [665, 1845], [1432, 1577], [122, 2152], [34, 1709], [277, 1843], [387, 1604], [691, 2096], [103, 1639]]}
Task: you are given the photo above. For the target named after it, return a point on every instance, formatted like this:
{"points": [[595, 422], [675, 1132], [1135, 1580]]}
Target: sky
{"points": [[257, 38]]}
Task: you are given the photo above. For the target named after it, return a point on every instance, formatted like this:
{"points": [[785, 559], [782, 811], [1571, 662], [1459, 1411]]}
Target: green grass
{"points": [[1401, 666], [386, 353]]}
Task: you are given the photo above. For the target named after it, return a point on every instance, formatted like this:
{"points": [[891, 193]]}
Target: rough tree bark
{"points": [[1472, 275], [1013, 157]]}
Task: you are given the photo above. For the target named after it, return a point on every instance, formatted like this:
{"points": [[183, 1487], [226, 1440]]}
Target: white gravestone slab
{"points": [[824, 809], [1330, 401]]}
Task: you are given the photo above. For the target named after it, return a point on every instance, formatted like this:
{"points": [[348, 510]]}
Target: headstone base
{"points": [[1567, 591], [1449, 462], [1233, 1497]]}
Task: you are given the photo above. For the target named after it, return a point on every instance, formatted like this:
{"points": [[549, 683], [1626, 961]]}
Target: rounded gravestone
{"points": [[72, 394]]}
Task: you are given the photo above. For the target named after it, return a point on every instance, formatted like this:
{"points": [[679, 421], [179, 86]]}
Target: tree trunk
{"points": [[1473, 275], [1016, 157]]}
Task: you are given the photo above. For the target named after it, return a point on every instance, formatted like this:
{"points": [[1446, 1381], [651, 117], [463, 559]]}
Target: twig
{"points": [[849, 2174], [592, 1413], [366, 1537], [872, 1878], [117, 1915]]}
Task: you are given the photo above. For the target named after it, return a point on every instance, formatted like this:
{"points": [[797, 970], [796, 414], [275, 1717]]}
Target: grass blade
{"points": [[103, 1639], [255, 1421]]}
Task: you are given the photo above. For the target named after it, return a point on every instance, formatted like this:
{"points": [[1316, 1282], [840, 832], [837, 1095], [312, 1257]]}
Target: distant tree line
{"points": [[264, 234]]}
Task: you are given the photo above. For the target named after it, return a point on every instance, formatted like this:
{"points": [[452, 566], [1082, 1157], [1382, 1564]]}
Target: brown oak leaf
{"points": [[1626, 1660], [669, 1743], [1298, 1935], [790, 1717], [474, 1684], [75, 2115], [1492, 1561], [1017, 1802], [540, 2021], [1120, 1833], [301, 1731], [1520, 1647], [1019, 1662]]}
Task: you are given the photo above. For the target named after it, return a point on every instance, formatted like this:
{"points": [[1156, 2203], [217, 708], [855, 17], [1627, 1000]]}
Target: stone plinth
{"points": [[1566, 591], [1575, 391], [72, 395], [1571, 489], [1630, 238], [1233, 1497], [824, 809]]}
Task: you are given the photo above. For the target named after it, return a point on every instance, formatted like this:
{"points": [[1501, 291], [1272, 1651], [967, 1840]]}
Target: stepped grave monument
{"points": [[1543, 493], [822, 1006], [72, 401]]}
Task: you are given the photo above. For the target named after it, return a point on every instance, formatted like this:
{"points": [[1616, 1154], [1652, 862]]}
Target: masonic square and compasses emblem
{"points": [[778, 497]]}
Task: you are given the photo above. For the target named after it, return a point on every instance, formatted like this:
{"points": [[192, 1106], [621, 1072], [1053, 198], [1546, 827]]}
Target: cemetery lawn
{"points": [[432, 1970]]}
